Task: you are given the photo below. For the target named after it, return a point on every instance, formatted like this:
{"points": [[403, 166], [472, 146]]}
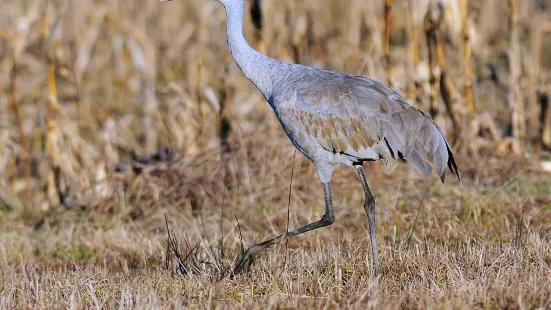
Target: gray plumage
{"points": [[335, 118]]}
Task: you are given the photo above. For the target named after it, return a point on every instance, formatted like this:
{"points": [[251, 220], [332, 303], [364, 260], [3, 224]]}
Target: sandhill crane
{"points": [[335, 118]]}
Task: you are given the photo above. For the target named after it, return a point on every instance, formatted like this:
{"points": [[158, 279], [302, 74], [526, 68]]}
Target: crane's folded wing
{"points": [[367, 120]]}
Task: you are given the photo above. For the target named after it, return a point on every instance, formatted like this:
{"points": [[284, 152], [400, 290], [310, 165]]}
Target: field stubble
{"points": [[482, 243]]}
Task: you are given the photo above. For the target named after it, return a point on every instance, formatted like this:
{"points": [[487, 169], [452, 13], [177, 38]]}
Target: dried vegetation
{"points": [[119, 120]]}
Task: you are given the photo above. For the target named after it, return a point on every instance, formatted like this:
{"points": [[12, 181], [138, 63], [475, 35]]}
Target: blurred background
{"points": [[115, 114], [90, 86]]}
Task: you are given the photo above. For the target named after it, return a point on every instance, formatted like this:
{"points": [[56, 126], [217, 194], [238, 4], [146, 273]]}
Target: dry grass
{"points": [[482, 243], [101, 86]]}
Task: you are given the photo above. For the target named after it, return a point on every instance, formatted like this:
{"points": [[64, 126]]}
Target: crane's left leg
{"points": [[327, 219], [369, 207]]}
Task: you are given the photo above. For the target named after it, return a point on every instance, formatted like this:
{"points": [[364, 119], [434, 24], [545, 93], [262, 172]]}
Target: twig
{"points": [[240, 235], [194, 249], [419, 209], [206, 236], [201, 135], [222, 224], [167, 262], [289, 209], [172, 244], [519, 225]]}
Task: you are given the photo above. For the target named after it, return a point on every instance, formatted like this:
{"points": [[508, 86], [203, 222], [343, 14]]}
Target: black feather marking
{"points": [[390, 149], [400, 155], [451, 163]]}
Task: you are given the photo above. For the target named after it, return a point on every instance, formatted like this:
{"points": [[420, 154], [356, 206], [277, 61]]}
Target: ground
{"points": [[483, 242]]}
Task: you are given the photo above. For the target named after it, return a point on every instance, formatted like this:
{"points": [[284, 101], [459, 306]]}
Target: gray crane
{"points": [[335, 118]]}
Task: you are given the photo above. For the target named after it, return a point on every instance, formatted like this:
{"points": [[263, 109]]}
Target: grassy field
{"points": [[119, 119], [483, 243]]}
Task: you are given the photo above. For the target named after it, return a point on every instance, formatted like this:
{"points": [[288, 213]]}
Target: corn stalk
{"points": [[467, 54], [540, 30], [514, 98], [414, 85], [258, 21], [546, 117], [431, 24], [51, 109], [447, 88], [25, 158], [388, 9]]}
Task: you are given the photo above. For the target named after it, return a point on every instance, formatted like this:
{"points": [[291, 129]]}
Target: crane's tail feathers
{"points": [[451, 165], [425, 149], [411, 135], [444, 157]]}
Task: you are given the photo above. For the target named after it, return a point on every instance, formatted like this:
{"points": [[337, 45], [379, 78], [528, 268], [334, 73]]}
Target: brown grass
{"points": [[482, 243], [135, 112]]}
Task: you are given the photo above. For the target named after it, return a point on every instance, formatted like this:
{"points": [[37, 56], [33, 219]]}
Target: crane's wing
{"points": [[361, 118]]}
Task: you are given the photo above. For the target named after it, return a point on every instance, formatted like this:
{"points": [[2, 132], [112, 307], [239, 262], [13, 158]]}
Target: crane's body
{"points": [[335, 118], [346, 120]]}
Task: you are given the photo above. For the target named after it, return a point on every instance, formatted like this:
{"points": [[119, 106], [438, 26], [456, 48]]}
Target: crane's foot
{"points": [[245, 260]]}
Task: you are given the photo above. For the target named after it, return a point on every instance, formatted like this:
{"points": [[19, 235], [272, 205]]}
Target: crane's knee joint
{"points": [[328, 219], [369, 204]]}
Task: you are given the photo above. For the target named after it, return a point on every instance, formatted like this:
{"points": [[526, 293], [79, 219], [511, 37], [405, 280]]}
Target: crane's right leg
{"points": [[327, 219], [369, 207]]}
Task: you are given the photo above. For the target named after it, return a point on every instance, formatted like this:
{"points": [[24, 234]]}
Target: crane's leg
{"points": [[327, 219], [369, 207]]}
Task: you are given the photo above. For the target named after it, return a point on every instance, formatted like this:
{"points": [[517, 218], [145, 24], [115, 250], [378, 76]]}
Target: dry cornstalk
{"points": [[534, 74], [467, 54], [540, 110], [447, 88], [414, 85], [25, 158], [514, 98], [300, 31], [143, 52], [258, 20], [223, 117], [388, 9], [546, 118], [543, 28], [431, 23], [257, 17], [546, 108], [201, 139], [51, 109]]}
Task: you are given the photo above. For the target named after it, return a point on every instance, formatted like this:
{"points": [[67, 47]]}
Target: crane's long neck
{"points": [[259, 69]]}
